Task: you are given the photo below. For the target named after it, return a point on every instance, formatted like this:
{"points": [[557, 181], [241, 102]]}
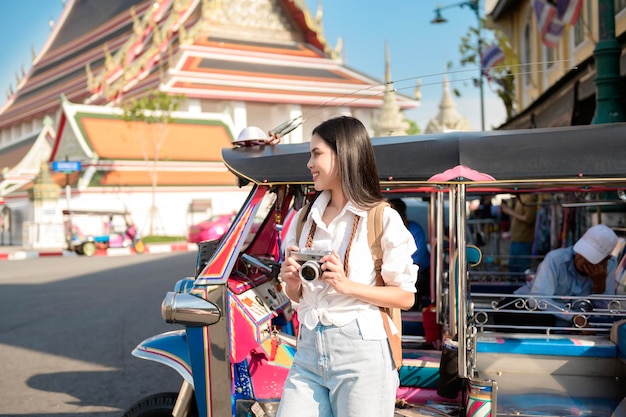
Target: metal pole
{"points": [[68, 187], [439, 256], [461, 283], [607, 56], [475, 6], [480, 69]]}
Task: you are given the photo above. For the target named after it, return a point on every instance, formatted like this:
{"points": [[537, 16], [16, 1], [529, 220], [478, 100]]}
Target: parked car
{"points": [[210, 229]]}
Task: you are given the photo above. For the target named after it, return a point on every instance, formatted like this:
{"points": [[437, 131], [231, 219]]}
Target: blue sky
{"points": [[418, 49]]}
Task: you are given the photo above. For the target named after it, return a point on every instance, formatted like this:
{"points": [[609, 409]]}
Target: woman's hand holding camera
{"points": [[334, 274], [289, 271]]}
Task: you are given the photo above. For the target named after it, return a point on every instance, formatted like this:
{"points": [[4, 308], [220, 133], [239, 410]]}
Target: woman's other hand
{"points": [[289, 274], [274, 138]]}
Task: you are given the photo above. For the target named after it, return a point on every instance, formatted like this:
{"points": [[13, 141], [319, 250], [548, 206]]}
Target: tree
{"points": [[154, 109], [502, 77], [414, 128]]}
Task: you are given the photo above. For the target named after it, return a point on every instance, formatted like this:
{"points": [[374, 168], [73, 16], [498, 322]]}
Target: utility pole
{"points": [[609, 107], [475, 7]]}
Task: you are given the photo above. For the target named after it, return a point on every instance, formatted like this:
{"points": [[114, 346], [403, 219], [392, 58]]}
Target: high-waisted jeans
{"points": [[336, 373]]}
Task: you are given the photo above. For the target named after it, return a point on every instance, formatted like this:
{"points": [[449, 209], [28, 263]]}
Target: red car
{"points": [[210, 229]]}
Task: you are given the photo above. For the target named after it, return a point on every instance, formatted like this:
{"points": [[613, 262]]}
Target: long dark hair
{"points": [[357, 165]]}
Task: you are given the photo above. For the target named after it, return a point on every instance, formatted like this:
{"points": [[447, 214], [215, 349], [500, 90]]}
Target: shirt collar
{"points": [[320, 203]]}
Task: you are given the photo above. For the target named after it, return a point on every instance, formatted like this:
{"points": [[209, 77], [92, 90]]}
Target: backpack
{"points": [[374, 234]]}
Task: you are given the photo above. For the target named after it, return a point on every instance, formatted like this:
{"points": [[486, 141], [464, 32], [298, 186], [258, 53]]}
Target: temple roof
{"points": [[20, 163], [116, 152], [276, 52], [78, 39], [12, 155]]}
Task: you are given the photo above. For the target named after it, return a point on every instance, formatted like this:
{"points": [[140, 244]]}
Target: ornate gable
{"points": [[250, 19]]}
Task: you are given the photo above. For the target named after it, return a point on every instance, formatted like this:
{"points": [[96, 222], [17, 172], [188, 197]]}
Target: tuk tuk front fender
{"points": [[170, 349]]}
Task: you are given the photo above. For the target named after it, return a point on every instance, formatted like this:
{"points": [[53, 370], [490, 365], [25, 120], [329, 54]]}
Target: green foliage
{"points": [[162, 239], [414, 128], [154, 107], [501, 77]]}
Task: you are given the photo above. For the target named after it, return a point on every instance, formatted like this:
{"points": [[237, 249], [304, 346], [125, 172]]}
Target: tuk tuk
{"points": [[463, 355], [87, 231]]}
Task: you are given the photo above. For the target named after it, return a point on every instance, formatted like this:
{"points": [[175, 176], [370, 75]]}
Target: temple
{"points": [[448, 119], [227, 65]]}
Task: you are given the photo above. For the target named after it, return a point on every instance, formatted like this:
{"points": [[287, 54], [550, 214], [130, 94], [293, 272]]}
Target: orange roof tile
{"points": [[113, 138], [137, 178]]}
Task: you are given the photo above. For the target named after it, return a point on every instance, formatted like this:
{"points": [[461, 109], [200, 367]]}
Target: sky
{"points": [[417, 48]]}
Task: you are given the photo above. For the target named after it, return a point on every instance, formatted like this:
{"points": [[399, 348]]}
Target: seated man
{"points": [[585, 268]]}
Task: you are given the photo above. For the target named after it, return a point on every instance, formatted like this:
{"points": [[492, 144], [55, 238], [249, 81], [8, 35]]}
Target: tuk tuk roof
{"points": [[576, 154]]}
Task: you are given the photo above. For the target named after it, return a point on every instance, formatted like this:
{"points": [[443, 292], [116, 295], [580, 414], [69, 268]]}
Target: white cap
{"points": [[252, 133], [596, 244]]}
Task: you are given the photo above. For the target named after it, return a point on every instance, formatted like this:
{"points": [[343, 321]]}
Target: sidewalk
{"points": [[12, 253]]}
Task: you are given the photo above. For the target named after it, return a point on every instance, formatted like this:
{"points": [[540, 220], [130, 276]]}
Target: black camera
{"points": [[310, 265]]}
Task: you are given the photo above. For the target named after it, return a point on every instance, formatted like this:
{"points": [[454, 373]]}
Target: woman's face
{"points": [[323, 165]]}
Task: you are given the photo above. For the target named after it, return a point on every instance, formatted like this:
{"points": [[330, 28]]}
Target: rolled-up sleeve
{"points": [[398, 245]]}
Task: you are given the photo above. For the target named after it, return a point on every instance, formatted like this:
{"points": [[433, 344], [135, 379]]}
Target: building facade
{"points": [[555, 78]]}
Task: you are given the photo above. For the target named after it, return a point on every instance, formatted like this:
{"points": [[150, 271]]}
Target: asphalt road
{"points": [[68, 326]]}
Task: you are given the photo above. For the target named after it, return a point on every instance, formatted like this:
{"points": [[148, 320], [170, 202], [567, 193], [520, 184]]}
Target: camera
{"points": [[310, 265]]}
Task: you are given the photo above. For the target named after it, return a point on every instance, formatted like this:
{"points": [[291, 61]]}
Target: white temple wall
{"points": [[173, 217]]}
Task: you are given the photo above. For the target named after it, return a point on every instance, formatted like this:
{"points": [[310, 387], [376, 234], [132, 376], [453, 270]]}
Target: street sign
{"points": [[66, 166]]}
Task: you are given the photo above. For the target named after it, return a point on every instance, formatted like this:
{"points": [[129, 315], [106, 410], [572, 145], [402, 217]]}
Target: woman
{"points": [[343, 365]]}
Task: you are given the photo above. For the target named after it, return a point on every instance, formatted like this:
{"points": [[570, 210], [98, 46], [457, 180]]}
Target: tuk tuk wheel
{"points": [[157, 405], [88, 248], [139, 246]]}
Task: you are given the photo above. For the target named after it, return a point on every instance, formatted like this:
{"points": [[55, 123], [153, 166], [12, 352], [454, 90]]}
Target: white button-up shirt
{"points": [[319, 301]]}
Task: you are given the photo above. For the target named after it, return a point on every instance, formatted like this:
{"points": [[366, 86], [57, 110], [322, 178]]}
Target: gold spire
{"points": [[387, 65]]}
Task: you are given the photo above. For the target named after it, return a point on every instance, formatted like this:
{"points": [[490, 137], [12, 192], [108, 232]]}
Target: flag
{"points": [[567, 11], [544, 12], [550, 27], [490, 58], [555, 31]]}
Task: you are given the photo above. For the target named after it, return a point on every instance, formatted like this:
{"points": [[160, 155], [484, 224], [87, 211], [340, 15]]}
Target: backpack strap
{"points": [[301, 220], [374, 237]]}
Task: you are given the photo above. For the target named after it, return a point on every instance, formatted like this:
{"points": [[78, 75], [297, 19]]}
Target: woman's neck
{"points": [[337, 200], [335, 205]]}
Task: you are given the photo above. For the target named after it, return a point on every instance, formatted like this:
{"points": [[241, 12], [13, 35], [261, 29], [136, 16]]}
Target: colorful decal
{"points": [[479, 401], [242, 381], [278, 353], [226, 255]]}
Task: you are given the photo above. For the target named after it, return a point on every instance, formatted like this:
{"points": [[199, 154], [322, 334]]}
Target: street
{"points": [[69, 325]]}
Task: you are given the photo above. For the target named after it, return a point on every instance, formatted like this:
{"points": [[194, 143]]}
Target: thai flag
{"points": [[568, 11], [491, 57], [552, 37], [544, 12], [550, 26]]}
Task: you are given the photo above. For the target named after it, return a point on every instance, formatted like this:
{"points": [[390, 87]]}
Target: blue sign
{"points": [[66, 166]]}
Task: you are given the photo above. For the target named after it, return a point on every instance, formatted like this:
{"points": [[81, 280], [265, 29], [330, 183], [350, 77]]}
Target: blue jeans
{"points": [[335, 373]]}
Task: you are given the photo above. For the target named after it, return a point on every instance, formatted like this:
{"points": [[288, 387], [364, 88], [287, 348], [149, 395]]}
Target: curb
{"points": [[150, 249]]}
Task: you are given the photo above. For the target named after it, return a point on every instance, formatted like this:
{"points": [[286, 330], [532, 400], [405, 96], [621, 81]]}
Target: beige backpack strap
{"points": [[301, 220], [374, 237]]}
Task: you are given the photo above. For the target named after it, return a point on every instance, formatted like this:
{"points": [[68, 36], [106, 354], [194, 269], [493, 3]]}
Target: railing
{"points": [[593, 314]]}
